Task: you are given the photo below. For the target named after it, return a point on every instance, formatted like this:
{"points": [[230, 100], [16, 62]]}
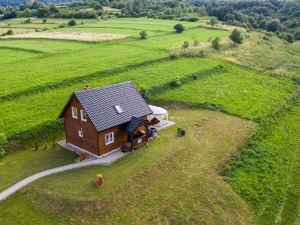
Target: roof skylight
{"points": [[119, 109]]}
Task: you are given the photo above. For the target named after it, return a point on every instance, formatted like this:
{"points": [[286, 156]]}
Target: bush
{"points": [[184, 52], [236, 36], [297, 35], [174, 55], [3, 144], [28, 20], [288, 37], [145, 93], [72, 23], [216, 43], [193, 19], [273, 25], [186, 44], [44, 20], [196, 42], [143, 34], [179, 28], [175, 83], [213, 21], [9, 32]]}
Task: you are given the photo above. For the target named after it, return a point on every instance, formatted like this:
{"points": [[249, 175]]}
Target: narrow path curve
{"points": [[103, 161]]}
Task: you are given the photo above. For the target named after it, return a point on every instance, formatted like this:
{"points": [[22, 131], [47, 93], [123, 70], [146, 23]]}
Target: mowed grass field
{"points": [[144, 187], [39, 75]]}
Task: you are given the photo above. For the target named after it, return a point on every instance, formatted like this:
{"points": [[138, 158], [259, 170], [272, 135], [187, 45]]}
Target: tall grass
{"points": [[264, 172], [238, 91]]}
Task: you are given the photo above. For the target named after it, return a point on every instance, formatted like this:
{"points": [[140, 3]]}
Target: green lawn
{"points": [[20, 164], [155, 175]]}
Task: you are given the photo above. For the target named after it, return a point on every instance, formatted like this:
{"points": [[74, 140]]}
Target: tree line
{"points": [[279, 16]]}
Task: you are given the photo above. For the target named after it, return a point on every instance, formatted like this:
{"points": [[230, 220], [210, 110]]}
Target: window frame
{"points": [[74, 112], [80, 132], [82, 112], [109, 138]]}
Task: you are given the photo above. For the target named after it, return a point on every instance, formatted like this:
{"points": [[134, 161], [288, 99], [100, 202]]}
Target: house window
{"points": [[109, 138], [80, 133], [74, 112], [83, 115]]}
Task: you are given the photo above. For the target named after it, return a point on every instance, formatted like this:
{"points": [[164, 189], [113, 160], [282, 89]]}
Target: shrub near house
{"points": [[3, 144]]}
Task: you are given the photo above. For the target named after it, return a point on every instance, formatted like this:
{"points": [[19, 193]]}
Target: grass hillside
{"points": [[266, 170], [166, 172], [236, 166]]}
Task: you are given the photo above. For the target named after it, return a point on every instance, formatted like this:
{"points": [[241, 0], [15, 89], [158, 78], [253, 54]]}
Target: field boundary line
{"points": [[51, 128], [78, 79], [23, 49]]}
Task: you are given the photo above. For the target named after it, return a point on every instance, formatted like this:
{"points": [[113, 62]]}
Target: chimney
{"points": [[86, 87]]}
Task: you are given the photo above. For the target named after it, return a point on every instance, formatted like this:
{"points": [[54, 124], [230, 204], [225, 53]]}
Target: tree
{"points": [[213, 21], [10, 15], [42, 12], [28, 20], [179, 28], [10, 32], [72, 22], [216, 43], [297, 35], [274, 25], [143, 34], [262, 24], [286, 36], [289, 37], [236, 36], [53, 9]]}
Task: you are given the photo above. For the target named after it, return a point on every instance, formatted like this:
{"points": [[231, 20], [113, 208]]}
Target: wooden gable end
{"points": [[78, 132]]}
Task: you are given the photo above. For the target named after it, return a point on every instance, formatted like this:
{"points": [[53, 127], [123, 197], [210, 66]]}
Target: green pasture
{"points": [[46, 106], [140, 23], [9, 57], [77, 62], [43, 46], [239, 91], [67, 59], [37, 23], [266, 170], [38, 76]]}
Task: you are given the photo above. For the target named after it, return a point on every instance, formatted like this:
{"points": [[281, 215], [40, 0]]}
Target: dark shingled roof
{"points": [[133, 124], [99, 104]]}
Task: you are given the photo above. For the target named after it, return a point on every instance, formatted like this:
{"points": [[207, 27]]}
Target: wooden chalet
{"points": [[100, 120]]}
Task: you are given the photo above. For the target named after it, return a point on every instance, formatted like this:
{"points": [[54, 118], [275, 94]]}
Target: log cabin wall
{"points": [[72, 126], [120, 138]]}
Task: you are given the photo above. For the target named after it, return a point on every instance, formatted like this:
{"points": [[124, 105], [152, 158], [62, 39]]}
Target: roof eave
{"points": [[61, 115]]}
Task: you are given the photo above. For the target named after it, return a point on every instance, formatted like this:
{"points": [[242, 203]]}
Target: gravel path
{"points": [[103, 161]]}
